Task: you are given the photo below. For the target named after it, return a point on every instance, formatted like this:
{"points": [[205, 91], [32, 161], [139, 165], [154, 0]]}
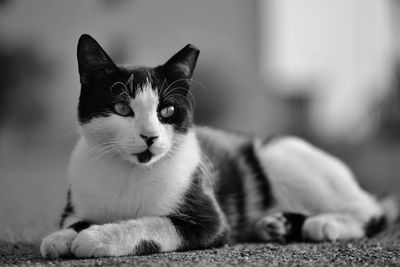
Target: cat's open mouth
{"points": [[144, 156]]}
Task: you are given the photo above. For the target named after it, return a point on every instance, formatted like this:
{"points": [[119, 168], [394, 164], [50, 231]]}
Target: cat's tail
{"points": [[390, 208]]}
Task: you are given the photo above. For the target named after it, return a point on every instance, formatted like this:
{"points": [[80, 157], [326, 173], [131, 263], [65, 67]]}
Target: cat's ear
{"points": [[182, 64], [93, 61]]}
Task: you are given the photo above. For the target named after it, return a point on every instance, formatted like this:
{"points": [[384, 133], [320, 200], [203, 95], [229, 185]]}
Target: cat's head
{"points": [[140, 114]]}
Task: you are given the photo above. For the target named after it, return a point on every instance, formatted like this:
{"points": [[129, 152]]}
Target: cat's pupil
{"points": [[123, 109]]}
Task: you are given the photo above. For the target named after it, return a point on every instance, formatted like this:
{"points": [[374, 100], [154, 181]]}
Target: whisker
{"points": [[200, 84], [162, 86], [106, 153], [190, 80], [124, 95], [174, 89], [130, 83], [206, 171], [183, 97], [180, 88], [103, 144], [179, 80]]}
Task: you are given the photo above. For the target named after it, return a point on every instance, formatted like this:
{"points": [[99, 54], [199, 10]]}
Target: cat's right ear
{"points": [[93, 61], [182, 64]]}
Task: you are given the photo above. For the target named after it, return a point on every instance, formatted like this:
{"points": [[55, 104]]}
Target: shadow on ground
{"points": [[383, 249]]}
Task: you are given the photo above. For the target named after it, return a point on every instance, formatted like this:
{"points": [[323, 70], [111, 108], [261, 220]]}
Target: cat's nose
{"points": [[149, 139]]}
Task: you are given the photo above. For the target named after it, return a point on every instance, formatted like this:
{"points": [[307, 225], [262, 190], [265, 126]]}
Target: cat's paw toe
{"points": [[321, 229], [272, 227], [92, 243], [331, 231], [58, 244]]}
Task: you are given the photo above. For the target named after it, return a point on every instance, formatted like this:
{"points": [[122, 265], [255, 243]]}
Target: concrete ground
{"points": [[381, 250]]}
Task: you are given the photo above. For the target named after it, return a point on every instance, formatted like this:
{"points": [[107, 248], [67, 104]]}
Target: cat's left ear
{"points": [[182, 64], [93, 61]]}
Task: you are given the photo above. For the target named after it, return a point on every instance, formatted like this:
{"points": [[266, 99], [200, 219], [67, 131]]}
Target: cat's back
{"points": [[219, 145]]}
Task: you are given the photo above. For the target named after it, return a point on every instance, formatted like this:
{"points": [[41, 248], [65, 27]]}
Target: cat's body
{"points": [[143, 179]]}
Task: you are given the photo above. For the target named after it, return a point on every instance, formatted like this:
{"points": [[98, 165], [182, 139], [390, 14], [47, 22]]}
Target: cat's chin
{"points": [[144, 157]]}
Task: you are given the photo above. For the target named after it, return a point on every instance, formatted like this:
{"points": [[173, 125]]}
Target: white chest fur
{"points": [[110, 189]]}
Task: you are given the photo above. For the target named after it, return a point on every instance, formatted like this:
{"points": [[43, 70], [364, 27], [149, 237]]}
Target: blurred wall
{"points": [[339, 54]]}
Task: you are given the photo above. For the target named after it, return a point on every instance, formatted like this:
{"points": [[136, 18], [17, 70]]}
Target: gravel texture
{"points": [[381, 250]]}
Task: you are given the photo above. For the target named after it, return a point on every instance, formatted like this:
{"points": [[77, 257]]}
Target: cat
{"points": [[144, 179]]}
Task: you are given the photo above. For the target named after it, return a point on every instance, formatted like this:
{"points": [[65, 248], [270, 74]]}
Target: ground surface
{"points": [[381, 250]]}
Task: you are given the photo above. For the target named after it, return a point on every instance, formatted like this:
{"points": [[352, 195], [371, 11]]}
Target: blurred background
{"points": [[328, 71]]}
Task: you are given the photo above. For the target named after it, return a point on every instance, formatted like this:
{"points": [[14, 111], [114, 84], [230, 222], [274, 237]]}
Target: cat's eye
{"points": [[123, 109], [167, 112]]}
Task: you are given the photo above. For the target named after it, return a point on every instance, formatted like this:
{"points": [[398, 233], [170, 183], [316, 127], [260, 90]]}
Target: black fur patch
{"points": [[375, 225], [197, 220], [231, 191], [147, 247], [295, 222], [260, 176], [68, 210], [79, 226]]}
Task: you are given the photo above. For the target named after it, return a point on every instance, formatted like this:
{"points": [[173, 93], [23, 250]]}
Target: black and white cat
{"points": [[144, 179]]}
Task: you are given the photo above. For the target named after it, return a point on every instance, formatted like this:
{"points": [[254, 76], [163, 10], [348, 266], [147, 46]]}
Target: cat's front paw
{"points": [[58, 244], [93, 242]]}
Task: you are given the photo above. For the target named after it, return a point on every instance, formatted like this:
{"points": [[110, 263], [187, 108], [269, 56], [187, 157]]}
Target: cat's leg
{"points": [[280, 226], [133, 237], [286, 227], [142, 236]]}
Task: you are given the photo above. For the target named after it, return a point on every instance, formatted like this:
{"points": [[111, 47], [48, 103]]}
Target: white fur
{"points": [[110, 189], [117, 239], [58, 244]]}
